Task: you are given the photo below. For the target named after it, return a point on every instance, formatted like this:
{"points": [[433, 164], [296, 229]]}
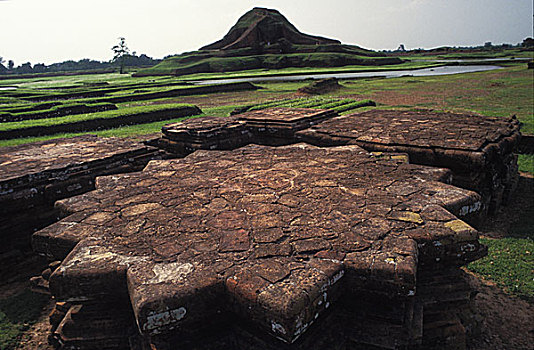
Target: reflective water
{"points": [[445, 70], [489, 60]]}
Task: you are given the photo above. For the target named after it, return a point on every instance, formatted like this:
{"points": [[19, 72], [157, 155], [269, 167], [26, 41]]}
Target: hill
{"points": [[264, 38]]}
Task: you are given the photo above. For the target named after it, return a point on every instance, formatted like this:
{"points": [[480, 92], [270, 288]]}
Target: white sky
{"points": [[48, 31]]}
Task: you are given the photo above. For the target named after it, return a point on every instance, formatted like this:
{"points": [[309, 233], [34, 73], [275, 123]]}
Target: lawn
{"points": [[510, 263], [503, 93]]}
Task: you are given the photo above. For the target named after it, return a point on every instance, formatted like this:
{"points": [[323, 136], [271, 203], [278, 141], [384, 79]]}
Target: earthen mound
{"points": [[262, 26], [264, 38], [320, 87]]}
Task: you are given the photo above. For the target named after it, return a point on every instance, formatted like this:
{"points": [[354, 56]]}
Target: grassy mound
{"points": [[210, 62], [335, 104], [264, 38]]}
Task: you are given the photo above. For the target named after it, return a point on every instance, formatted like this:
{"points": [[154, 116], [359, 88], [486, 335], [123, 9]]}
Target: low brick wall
{"points": [[100, 123], [58, 112]]}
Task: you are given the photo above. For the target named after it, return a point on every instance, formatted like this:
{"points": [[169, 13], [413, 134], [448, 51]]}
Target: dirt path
{"points": [[37, 336], [506, 322]]}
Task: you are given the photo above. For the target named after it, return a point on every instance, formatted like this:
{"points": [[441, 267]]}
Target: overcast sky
{"points": [[48, 31]]}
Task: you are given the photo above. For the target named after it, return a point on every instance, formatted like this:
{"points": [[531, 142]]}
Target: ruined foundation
{"points": [[34, 176], [281, 245], [478, 150], [274, 126]]}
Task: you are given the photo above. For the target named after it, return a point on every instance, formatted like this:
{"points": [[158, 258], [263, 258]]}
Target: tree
{"points": [[528, 42], [10, 65], [120, 51], [25, 68], [39, 68]]}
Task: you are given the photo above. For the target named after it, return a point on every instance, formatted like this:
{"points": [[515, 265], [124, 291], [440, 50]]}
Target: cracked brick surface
{"points": [[34, 176], [274, 235], [425, 129], [294, 118], [31, 162], [478, 149]]}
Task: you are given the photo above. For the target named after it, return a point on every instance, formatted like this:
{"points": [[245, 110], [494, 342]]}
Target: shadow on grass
{"points": [[523, 226], [510, 260], [17, 314]]}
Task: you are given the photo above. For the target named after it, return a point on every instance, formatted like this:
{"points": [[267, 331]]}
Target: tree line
{"points": [[122, 58]]}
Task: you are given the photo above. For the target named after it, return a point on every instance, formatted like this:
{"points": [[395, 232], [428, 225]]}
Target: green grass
{"points": [[80, 80], [17, 314], [498, 93], [510, 263], [199, 62], [26, 107], [60, 109], [125, 131], [338, 105], [123, 112], [494, 53], [526, 163]]}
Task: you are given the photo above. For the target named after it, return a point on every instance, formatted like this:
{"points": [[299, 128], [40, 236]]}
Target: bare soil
{"points": [[37, 336], [506, 322]]}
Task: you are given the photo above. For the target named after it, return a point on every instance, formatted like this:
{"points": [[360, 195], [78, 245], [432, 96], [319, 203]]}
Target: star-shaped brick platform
{"points": [[275, 235]]}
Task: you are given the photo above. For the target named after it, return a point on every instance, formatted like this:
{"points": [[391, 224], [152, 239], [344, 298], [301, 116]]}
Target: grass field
{"points": [[198, 62], [510, 263], [495, 93]]}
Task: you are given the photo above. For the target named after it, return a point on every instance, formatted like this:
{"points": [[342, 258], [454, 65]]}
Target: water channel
{"points": [[425, 72]]}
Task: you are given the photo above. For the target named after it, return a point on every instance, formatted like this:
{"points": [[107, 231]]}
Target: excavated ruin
{"points": [[478, 149], [34, 176], [252, 239], [265, 27], [275, 126]]}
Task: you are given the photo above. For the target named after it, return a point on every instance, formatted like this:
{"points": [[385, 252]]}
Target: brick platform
{"points": [[477, 149], [34, 176], [275, 126], [259, 245]]}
